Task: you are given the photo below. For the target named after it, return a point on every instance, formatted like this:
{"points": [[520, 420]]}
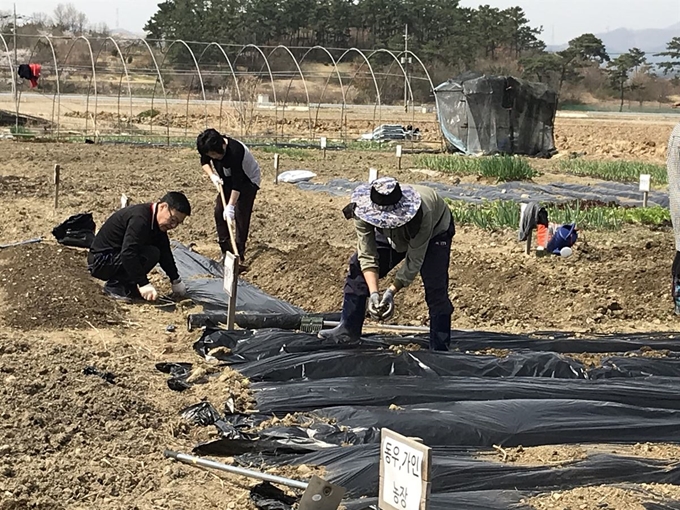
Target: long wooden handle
{"points": [[232, 233]]}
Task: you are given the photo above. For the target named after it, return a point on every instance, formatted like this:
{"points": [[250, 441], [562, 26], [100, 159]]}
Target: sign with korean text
{"points": [[404, 473]]}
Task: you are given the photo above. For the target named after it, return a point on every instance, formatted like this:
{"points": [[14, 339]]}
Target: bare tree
{"points": [[40, 19], [5, 19], [68, 18], [100, 30]]}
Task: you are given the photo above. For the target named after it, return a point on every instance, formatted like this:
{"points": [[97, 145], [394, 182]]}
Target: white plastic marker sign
{"points": [[404, 473], [398, 151], [645, 182], [372, 174], [323, 142]]}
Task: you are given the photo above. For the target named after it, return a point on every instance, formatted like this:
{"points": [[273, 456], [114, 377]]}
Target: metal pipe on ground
{"points": [[207, 463]]}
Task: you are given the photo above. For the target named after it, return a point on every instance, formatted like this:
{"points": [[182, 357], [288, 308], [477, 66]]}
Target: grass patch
{"points": [[149, 114], [620, 171], [501, 214], [21, 131], [292, 152], [500, 168], [369, 145]]}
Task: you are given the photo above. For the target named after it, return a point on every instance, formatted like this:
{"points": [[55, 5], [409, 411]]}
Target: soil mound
{"points": [[47, 286]]}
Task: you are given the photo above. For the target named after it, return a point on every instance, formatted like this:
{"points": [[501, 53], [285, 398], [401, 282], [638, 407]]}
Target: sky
{"points": [[562, 20]]}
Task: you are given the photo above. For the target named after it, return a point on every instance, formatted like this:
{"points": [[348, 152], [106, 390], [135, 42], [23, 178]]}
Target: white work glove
{"points": [[148, 292], [374, 305], [216, 180], [229, 213], [387, 305], [179, 288]]}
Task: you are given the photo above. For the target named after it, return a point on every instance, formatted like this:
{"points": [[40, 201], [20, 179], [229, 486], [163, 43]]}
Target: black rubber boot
{"points": [[351, 321], [440, 332]]}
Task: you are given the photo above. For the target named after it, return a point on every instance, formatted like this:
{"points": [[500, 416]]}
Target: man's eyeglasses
{"points": [[174, 220]]}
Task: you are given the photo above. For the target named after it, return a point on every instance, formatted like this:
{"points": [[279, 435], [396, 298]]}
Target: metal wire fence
{"points": [[165, 91]]}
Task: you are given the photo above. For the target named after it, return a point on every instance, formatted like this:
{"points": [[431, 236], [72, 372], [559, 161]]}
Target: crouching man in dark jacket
{"points": [[130, 244]]}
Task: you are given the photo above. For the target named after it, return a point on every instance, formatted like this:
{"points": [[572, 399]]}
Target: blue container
{"points": [[566, 235]]}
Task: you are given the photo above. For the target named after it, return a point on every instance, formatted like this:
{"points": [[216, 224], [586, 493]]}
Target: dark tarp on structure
{"points": [[497, 114]]}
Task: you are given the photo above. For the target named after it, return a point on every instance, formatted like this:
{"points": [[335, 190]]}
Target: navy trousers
{"points": [[435, 275]]}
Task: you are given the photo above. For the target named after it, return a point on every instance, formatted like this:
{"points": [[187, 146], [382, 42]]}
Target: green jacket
{"points": [[436, 219]]}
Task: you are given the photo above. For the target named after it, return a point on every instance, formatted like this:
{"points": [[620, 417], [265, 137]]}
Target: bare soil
{"points": [[69, 440], [47, 286]]}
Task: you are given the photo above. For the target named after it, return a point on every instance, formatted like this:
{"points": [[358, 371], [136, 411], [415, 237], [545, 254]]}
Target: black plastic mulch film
{"points": [[460, 403]]}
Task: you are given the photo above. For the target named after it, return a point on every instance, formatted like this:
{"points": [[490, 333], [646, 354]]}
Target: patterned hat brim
{"points": [[393, 216]]}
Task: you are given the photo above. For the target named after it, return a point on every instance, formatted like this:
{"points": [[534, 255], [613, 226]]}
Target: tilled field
{"points": [[70, 440]]}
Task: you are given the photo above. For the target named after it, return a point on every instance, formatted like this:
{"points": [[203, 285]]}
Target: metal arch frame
{"points": [[406, 78], [429, 79], [200, 79], [56, 97], [153, 95], [93, 78], [342, 89], [271, 79], [375, 83], [125, 70], [233, 74], [396, 59], [12, 76], [304, 84]]}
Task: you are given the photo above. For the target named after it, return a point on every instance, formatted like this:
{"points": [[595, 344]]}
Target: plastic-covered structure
{"points": [[497, 115]]}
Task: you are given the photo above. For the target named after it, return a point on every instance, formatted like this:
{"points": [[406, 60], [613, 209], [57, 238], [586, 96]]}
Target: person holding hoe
{"points": [[397, 222], [236, 174]]}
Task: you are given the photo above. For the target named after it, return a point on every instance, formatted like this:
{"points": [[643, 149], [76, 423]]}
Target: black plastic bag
{"points": [[267, 497], [78, 230], [202, 414]]}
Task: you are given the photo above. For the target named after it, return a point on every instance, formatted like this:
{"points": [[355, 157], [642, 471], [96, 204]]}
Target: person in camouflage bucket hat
{"points": [[385, 203], [397, 222]]}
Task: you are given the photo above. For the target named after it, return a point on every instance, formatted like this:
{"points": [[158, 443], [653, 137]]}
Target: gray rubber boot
{"points": [[351, 321]]}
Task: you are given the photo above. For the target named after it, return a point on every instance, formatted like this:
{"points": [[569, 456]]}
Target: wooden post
{"points": [[323, 146], [276, 168], [527, 248], [399, 156], [57, 177]]}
